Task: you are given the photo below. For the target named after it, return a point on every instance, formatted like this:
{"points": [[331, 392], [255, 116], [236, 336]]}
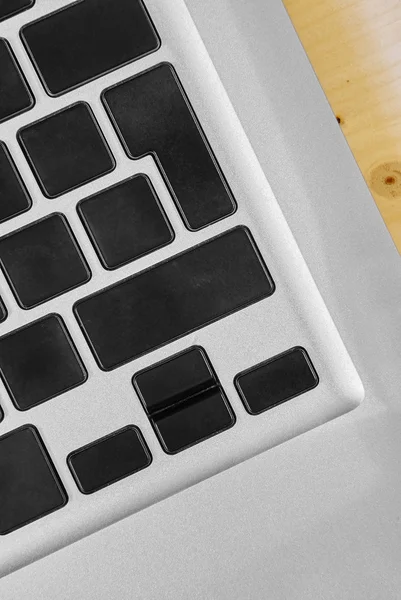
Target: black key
{"points": [[3, 311], [152, 115], [1, 414], [277, 380], [174, 298], [184, 400], [194, 422], [66, 149], [30, 487], [176, 379], [14, 199], [125, 222], [15, 95], [39, 361], [88, 39], [9, 8], [42, 261], [109, 459]]}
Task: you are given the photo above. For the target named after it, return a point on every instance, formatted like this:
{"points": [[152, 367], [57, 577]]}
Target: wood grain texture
{"points": [[355, 49]]}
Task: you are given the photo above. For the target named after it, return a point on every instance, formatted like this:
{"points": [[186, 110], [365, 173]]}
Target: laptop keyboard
{"points": [[136, 313]]}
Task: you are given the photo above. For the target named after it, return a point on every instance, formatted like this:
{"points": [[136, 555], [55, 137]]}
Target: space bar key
{"points": [[173, 298]]}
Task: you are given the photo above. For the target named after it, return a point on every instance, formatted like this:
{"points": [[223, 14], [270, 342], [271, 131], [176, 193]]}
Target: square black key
{"points": [[109, 459], [14, 199], [9, 8], [30, 487], [66, 149], [39, 361], [184, 400], [42, 261], [277, 380], [125, 221], [15, 95]]}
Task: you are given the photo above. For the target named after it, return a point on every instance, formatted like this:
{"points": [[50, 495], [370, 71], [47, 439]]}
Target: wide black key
{"points": [[9, 8], [66, 149], [125, 221], [30, 487], [88, 39], [109, 459], [277, 380], [184, 400], [174, 298], [14, 198], [39, 361], [15, 95], [42, 261], [153, 115]]}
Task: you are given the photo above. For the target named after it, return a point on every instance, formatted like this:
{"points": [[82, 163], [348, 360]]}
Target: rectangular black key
{"points": [[174, 298], [88, 39], [9, 8], [184, 400], [30, 487], [152, 115], [277, 380], [15, 95], [14, 198], [66, 149], [109, 459], [39, 361]]}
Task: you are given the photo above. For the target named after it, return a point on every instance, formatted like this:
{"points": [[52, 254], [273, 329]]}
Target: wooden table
{"points": [[355, 49]]}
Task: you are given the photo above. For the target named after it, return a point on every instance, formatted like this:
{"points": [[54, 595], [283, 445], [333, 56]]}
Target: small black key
{"points": [[125, 222], [66, 149], [184, 400], [1, 414], [39, 361], [15, 95], [88, 39], [30, 487], [175, 379], [152, 115], [14, 199], [277, 380], [194, 422], [109, 459], [174, 298], [3, 311], [9, 8], [42, 261]]}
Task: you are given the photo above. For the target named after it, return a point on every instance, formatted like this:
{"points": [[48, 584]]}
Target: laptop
{"points": [[200, 314]]}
